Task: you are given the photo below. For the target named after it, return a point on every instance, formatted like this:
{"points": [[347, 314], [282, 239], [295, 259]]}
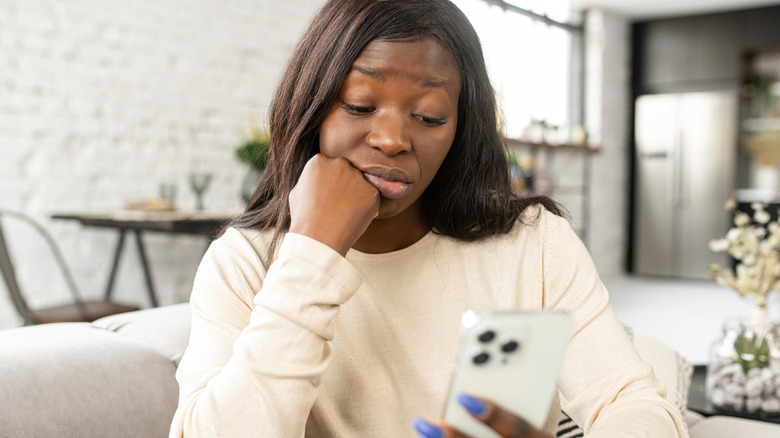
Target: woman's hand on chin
{"points": [[505, 423], [332, 203]]}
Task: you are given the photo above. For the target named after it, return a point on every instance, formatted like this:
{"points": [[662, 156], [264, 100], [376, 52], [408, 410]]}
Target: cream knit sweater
{"points": [[327, 346]]}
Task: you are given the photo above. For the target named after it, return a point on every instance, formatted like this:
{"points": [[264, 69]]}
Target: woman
{"points": [[331, 307]]}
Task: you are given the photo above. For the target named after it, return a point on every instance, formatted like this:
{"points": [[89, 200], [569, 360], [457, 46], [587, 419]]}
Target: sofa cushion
{"points": [[669, 366], [693, 418], [730, 427], [166, 329], [71, 379], [671, 369]]}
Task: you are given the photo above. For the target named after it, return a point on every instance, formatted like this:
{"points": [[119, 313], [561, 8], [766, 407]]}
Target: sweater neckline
{"points": [[421, 245]]}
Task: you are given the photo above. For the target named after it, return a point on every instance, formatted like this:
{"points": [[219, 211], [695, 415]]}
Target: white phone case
{"points": [[511, 358]]}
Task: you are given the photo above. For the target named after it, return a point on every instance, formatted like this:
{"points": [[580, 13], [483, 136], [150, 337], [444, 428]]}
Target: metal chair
{"points": [[78, 310]]}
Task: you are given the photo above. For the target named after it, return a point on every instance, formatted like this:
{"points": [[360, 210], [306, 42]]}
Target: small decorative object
{"points": [[521, 171], [579, 136], [762, 130], [763, 143], [758, 88], [254, 152], [744, 370], [199, 182], [168, 192], [541, 131], [151, 204]]}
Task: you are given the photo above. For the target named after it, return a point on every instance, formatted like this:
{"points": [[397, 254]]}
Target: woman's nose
{"points": [[390, 134]]}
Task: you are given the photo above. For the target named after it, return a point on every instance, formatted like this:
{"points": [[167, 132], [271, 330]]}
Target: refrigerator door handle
{"points": [[658, 154], [677, 170]]}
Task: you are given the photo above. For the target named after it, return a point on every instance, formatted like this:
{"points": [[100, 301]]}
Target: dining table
{"points": [[205, 223]]}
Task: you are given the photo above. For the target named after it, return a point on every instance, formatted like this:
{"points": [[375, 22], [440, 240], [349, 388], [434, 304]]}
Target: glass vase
{"points": [[249, 183], [744, 371]]}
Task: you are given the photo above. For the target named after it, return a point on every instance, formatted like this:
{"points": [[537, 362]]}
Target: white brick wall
{"points": [[101, 100], [607, 105]]}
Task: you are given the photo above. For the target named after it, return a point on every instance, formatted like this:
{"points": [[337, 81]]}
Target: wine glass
{"points": [[199, 182]]}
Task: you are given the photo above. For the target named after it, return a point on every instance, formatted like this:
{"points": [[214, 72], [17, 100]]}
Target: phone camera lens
{"points": [[481, 358], [487, 336], [509, 346]]}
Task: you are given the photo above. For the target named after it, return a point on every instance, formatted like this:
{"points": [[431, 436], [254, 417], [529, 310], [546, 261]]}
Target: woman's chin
{"points": [[387, 209], [398, 209]]}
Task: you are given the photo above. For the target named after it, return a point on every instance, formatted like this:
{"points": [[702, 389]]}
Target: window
{"points": [[533, 58]]}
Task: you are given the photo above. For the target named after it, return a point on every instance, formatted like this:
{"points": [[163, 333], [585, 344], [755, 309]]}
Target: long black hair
{"points": [[470, 197]]}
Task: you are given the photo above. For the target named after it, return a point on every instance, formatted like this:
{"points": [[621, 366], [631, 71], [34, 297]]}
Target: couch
{"points": [[115, 378], [111, 378]]}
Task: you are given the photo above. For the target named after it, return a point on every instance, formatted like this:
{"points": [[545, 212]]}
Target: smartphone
{"points": [[511, 358]]}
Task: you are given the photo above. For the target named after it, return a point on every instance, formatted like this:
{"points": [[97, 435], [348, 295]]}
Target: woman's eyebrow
{"points": [[424, 83], [431, 83], [368, 72]]}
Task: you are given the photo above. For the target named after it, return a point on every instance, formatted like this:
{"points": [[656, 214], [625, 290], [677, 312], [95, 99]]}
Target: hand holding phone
{"points": [[510, 358]]}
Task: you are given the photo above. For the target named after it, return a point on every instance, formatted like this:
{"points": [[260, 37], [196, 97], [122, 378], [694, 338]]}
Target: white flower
{"points": [[761, 216], [741, 219], [730, 204], [750, 240], [733, 235], [719, 245], [755, 244]]}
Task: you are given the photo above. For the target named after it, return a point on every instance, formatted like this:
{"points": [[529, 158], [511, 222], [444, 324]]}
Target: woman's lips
{"points": [[390, 186]]}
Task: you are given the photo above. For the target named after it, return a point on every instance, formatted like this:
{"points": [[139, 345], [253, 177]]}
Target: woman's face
{"points": [[395, 119]]}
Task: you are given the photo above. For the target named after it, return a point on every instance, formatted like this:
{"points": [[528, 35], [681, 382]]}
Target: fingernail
{"points": [[472, 404], [427, 429]]}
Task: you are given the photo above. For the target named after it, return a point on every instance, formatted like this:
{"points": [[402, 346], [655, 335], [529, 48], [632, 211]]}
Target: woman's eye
{"points": [[430, 121], [357, 109]]}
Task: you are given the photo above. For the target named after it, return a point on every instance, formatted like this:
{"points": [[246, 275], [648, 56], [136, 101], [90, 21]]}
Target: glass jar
{"points": [[744, 370]]}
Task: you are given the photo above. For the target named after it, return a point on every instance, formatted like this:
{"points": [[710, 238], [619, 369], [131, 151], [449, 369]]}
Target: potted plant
{"points": [[254, 152], [744, 370]]}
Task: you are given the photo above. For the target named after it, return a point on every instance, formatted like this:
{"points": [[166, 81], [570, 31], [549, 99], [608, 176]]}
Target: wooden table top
{"points": [[200, 222]]}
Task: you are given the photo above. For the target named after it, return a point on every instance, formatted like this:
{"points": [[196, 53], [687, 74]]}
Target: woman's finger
{"points": [[504, 422], [433, 429]]}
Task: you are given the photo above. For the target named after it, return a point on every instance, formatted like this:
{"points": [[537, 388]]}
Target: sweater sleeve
{"points": [[255, 357], [604, 385]]}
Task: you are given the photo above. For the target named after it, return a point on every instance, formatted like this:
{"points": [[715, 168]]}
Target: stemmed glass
{"points": [[199, 182]]}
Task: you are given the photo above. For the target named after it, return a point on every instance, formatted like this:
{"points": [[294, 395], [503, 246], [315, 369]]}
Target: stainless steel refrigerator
{"points": [[686, 146]]}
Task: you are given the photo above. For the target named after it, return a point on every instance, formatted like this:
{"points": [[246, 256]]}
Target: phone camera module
{"points": [[510, 346], [487, 336], [481, 358]]}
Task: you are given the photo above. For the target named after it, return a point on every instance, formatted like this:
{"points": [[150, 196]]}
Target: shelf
{"points": [[568, 190], [757, 195], [564, 146], [761, 125], [574, 196]]}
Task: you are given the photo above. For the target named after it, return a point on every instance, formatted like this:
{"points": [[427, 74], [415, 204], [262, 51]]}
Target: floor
{"points": [[687, 315]]}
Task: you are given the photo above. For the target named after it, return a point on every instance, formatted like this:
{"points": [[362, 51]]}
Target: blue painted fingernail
{"points": [[472, 404], [427, 429]]}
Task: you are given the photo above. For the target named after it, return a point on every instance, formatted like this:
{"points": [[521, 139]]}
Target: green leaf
{"points": [[254, 152], [751, 351]]}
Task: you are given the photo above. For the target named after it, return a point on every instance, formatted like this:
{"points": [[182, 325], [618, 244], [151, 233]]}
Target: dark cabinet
{"points": [[760, 29], [717, 48], [667, 52], [687, 54]]}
